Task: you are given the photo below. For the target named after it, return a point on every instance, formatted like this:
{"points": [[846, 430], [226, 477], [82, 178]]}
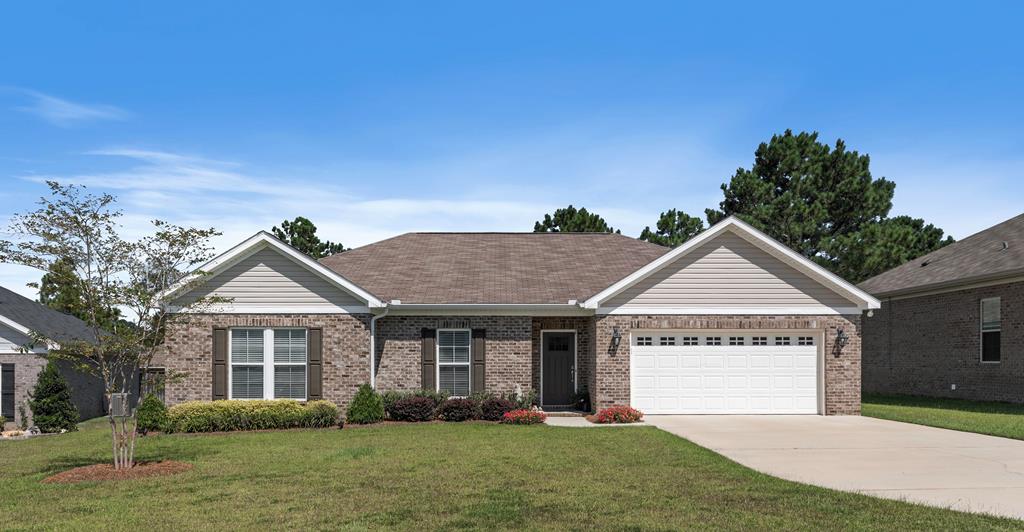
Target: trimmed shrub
{"points": [[618, 414], [223, 416], [457, 410], [392, 397], [150, 415], [50, 401], [413, 409], [524, 417], [366, 407], [495, 408]]}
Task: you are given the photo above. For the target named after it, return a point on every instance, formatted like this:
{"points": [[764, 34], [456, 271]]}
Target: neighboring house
{"points": [[952, 322], [21, 361], [730, 322]]}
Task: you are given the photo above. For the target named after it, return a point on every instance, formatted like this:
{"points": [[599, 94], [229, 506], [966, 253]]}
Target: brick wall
{"points": [[924, 345], [583, 325], [26, 373], [842, 373], [508, 356], [346, 351]]}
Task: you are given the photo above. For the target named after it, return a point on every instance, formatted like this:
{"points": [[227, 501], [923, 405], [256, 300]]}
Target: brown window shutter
{"points": [[477, 371], [7, 387], [315, 371], [429, 358], [220, 364]]}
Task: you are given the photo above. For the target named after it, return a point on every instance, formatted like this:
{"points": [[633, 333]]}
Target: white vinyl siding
{"points": [[268, 363], [453, 361], [727, 271], [267, 280]]}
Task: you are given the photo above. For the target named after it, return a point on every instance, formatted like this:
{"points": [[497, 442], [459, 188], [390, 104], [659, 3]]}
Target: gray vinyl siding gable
{"points": [[269, 279], [727, 271], [11, 340]]}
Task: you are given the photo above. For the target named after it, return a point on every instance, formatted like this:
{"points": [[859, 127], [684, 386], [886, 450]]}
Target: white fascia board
{"points": [[262, 240], [730, 311], [863, 299], [298, 309], [50, 344], [495, 309]]}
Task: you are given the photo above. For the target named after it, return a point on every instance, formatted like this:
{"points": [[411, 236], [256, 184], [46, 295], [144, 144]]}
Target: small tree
{"points": [[151, 414], [50, 402], [366, 407], [571, 220], [113, 275], [300, 234]]}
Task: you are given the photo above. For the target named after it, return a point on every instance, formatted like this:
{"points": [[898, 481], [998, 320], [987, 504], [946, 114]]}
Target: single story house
{"points": [[21, 360], [952, 321], [729, 322]]}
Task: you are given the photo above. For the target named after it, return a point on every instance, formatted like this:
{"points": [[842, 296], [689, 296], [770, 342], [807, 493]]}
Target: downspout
{"points": [[373, 346]]}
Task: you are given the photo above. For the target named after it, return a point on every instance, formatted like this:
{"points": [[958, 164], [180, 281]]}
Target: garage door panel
{"points": [[693, 373]]}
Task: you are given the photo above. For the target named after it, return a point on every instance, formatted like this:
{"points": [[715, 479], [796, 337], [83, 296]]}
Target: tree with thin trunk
{"points": [[114, 276]]}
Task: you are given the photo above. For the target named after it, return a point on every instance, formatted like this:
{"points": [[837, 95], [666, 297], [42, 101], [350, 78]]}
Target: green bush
{"points": [[458, 410], [392, 397], [523, 400], [151, 414], [50, 402], [223, 416], [366, 407]]}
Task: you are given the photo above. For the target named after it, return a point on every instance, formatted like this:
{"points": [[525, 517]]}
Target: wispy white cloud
{"points": [[65, 113]]}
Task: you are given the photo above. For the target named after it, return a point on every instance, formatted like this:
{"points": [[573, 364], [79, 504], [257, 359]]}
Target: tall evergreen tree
{"points": [[571, 220], [300, 233], [673, 228], [62, 290], [50, 402], [824, 203]]}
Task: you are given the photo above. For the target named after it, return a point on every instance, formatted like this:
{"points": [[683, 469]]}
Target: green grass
{"points": [[996, 419], [434, 476]]}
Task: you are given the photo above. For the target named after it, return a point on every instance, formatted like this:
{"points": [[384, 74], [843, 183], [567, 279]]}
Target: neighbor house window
{"points": [[991, 326], [453, 361], [268, 363], [151, 381]]}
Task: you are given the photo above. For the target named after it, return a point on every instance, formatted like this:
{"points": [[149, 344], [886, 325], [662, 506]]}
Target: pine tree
{"points": [[571, 220], [50, 402]]}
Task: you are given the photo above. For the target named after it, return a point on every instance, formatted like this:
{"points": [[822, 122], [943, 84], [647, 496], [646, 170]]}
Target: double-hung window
{"points": [[453, 361], [268, 363], [991, 327]]}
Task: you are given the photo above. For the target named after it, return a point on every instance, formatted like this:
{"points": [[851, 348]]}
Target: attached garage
{"points": [[722, 372]]}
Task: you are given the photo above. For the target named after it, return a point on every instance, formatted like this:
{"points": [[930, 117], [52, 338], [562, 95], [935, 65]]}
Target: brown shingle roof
{"points": [[496, 268], [978, 257]]}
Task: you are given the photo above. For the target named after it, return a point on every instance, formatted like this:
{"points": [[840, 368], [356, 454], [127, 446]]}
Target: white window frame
{"points": [[982, 330], [438, 363], [269, 365]]}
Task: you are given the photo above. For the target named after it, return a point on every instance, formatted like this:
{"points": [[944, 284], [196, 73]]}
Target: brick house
{"points": [[730, 322], [21, 359], [952, 322]]}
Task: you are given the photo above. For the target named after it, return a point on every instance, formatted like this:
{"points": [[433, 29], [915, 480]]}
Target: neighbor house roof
{"points": [[994, 253], [24, 315], [493, 268]]}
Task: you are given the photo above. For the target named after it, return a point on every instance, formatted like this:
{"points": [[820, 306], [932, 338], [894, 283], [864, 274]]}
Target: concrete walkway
{"points": [[581, 422], [946, 468]]}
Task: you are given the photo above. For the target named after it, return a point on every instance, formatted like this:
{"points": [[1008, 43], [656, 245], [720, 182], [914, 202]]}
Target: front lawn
{"points": [[431, 476], [996, 419]]}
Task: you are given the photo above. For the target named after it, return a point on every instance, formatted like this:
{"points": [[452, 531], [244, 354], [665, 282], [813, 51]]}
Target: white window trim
{"points": [[982, 330], [438, 363], [268, 363]]}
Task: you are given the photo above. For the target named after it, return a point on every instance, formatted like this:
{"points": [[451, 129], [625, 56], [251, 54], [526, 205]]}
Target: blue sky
{"points": [[388, 117]]}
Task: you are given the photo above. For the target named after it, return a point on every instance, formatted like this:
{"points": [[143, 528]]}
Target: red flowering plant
{"points": [[524, 417], [618, 414]]}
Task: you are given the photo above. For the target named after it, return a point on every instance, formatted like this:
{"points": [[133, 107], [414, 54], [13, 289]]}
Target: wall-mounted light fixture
{"points": [[616, 337], [841, 339]]}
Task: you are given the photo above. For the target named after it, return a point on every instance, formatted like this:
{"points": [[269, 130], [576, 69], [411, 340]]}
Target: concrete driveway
{"points": [[933, 466]]}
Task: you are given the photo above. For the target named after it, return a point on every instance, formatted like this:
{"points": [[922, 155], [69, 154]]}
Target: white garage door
{"points": [[749, 373]]}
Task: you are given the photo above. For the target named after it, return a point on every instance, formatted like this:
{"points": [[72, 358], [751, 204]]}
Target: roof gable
{"points": [[979, 257], [264, 242], [734, 226]]}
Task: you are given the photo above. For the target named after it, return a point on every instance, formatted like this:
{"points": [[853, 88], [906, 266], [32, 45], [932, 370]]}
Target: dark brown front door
{"points": [[558, 367]]}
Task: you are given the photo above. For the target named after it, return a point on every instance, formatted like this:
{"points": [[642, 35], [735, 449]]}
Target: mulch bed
{"points": [[97, 472]]}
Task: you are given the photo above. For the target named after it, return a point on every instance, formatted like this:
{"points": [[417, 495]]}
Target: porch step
{"points": [[566, 413]]}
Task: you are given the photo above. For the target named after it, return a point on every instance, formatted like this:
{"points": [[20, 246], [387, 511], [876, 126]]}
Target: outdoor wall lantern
{"points": [[841, 340], [616, 337]]}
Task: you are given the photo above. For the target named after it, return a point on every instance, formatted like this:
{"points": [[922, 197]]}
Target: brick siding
{"points": [[842, 372], [26, 374], [924, 345], [508, 362]]}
